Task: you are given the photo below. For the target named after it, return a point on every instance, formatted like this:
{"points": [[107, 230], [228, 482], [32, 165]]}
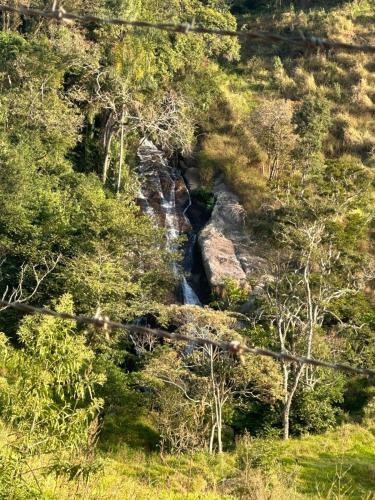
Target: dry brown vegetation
{"points": [[346, 80]]}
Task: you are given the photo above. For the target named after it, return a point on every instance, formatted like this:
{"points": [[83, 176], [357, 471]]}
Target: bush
{"points": [[256, 453], [317, 410], [204, 195]]}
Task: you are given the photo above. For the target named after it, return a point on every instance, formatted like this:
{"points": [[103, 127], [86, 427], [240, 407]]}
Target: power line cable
{"points": [[186, 27], [234, 347]]}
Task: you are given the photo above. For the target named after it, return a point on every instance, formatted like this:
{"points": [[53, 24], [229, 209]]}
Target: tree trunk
{"points": [[288, 402], [4, 16], [217, 415], [212, 437], [107, 160], [219, 430], [121, 161], [274, 168], [286, 413], [106, 144]]}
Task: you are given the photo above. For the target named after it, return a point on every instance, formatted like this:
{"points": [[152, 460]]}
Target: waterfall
{"points": [[142, 200], [157, 198], [171, 222], [188, 294]]}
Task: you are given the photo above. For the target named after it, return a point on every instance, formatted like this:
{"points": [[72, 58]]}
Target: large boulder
{"points": [[219, 257], [227, 250]]}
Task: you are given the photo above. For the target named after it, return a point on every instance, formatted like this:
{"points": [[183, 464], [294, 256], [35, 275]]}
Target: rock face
{"points": [[225, 245]]}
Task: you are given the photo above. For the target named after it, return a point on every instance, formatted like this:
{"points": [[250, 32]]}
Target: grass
{"points": [[128, 474], [340, 462], [337, 464]]}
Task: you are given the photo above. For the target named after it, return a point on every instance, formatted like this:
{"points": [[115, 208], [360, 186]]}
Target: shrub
{"points": [[204, 195]]}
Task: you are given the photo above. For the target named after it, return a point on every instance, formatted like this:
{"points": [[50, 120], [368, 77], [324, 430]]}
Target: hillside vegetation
{"points": [[91, 412], [344, 82]]}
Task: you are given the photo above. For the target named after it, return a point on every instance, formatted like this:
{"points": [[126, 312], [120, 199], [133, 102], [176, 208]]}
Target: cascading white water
{"points": [[145, 204], [188, 294], [153, 164], [171, 222]]}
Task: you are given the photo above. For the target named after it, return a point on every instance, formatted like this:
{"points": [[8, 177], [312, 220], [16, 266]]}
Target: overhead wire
{"points": [[233, 347], [300, 39]]}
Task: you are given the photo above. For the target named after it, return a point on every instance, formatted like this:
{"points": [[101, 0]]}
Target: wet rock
{"points": [[165, 197], [163, 193]]}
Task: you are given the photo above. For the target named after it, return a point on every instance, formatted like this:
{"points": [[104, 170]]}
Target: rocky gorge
{"points": [[215, 245]]}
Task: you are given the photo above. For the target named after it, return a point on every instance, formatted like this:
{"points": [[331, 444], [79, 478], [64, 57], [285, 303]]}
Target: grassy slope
{"points": [[347, 80], [338, 464], [341, 461]]}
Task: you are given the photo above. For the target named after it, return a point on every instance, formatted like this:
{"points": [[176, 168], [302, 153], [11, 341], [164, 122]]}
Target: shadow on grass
{"points": [[136, 433]]}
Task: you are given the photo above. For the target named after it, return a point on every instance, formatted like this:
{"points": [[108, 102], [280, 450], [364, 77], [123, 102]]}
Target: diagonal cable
{"points": [[300, 40], [233, 347]]}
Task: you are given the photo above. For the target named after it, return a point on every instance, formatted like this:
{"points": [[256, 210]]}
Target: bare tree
{"points": [[165, 119], [297, 300], [38, 274], [167, 122], [144, 342]]}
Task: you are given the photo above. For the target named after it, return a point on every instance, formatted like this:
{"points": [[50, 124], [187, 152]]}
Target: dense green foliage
{"points": [[83, 411]]}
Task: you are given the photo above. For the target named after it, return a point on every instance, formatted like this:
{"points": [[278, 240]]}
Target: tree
{"points": [[208, 382], [49, 384], [36, 273], [271, 123], [115, 280], [180, 401], [34, 144], [312, 120], [297, 301], [47, 391], [318, 264]]}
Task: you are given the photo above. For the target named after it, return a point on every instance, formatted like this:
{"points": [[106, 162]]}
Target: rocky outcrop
{"points": [[227, 250], [219, 257]]}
